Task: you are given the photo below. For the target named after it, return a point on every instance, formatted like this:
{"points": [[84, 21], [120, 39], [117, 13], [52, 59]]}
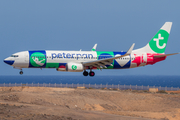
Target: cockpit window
{"points": [[14, 56]]}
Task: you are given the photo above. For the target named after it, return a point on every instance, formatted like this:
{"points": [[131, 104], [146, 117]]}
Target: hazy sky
{"points": [[79, 24]]}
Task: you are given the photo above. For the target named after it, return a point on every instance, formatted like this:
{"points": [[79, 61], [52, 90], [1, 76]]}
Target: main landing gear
{"points": [[85, 73], [91, 73]]}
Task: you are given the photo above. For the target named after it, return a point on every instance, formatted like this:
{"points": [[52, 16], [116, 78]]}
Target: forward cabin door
{"points": [[26, 54]]}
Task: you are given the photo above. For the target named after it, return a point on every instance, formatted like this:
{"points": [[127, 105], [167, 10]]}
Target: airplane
{"points": [[81, 61]]}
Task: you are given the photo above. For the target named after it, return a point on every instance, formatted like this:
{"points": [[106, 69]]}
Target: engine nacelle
{"points": [[74, 67]]}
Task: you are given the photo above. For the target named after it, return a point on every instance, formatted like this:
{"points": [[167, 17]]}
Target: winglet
{"points": [[130, 49], [94, 48]]}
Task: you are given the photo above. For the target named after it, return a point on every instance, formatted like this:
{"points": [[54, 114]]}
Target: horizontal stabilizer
{"points": [[159, 56]]}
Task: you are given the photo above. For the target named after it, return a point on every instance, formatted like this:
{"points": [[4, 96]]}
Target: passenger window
{"points": [[14, 56]]}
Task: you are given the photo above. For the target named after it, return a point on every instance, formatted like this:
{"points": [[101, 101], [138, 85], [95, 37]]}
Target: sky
{"points": [[78, 24]]}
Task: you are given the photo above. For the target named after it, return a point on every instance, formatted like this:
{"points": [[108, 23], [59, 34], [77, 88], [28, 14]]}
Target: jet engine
{"points": [[74, 67]]}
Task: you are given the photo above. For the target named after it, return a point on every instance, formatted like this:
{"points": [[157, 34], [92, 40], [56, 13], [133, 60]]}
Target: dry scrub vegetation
{"points": [[43, 103]]}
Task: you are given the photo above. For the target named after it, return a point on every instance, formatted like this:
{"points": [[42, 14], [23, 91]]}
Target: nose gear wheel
{"points": [[21, 72]]}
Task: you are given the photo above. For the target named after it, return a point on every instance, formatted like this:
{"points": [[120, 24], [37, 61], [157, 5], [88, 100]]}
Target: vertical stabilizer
{"points": [[158, 42]]}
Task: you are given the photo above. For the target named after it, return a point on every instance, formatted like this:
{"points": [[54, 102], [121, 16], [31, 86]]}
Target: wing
{"points": [[103, 62]]}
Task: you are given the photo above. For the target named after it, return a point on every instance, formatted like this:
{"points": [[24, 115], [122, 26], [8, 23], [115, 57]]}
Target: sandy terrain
{"points": [[69, 104]]}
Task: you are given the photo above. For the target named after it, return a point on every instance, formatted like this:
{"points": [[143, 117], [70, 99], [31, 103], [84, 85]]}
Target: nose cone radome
{"points": [[9, 62]]}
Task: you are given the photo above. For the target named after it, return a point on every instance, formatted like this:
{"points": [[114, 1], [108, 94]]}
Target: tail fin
{"points": [[159, 41]]}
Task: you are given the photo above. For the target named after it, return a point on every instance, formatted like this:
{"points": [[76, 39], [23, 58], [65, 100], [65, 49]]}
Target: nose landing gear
{"points": [[21, 72]]}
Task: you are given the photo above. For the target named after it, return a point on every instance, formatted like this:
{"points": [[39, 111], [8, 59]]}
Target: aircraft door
{"points": [[26, 54]]}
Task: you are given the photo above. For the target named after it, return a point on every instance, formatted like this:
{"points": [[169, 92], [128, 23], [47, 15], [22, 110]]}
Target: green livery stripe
{"points": [[93, 50], [52, 65], [37, 59], [103, 54]]}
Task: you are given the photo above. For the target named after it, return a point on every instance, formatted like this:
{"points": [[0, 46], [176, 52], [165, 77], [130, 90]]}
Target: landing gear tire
{"points": [[91, 73], [21, 72], [85, 73]]}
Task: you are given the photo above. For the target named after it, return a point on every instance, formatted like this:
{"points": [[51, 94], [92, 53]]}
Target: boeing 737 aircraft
{"points": [[79, 61]]}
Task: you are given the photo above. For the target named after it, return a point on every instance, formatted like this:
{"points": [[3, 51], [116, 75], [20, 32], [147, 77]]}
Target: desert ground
{"points": [[44, 103]]}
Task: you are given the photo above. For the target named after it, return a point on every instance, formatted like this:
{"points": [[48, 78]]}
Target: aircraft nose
{"points": [[9, 62]]}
